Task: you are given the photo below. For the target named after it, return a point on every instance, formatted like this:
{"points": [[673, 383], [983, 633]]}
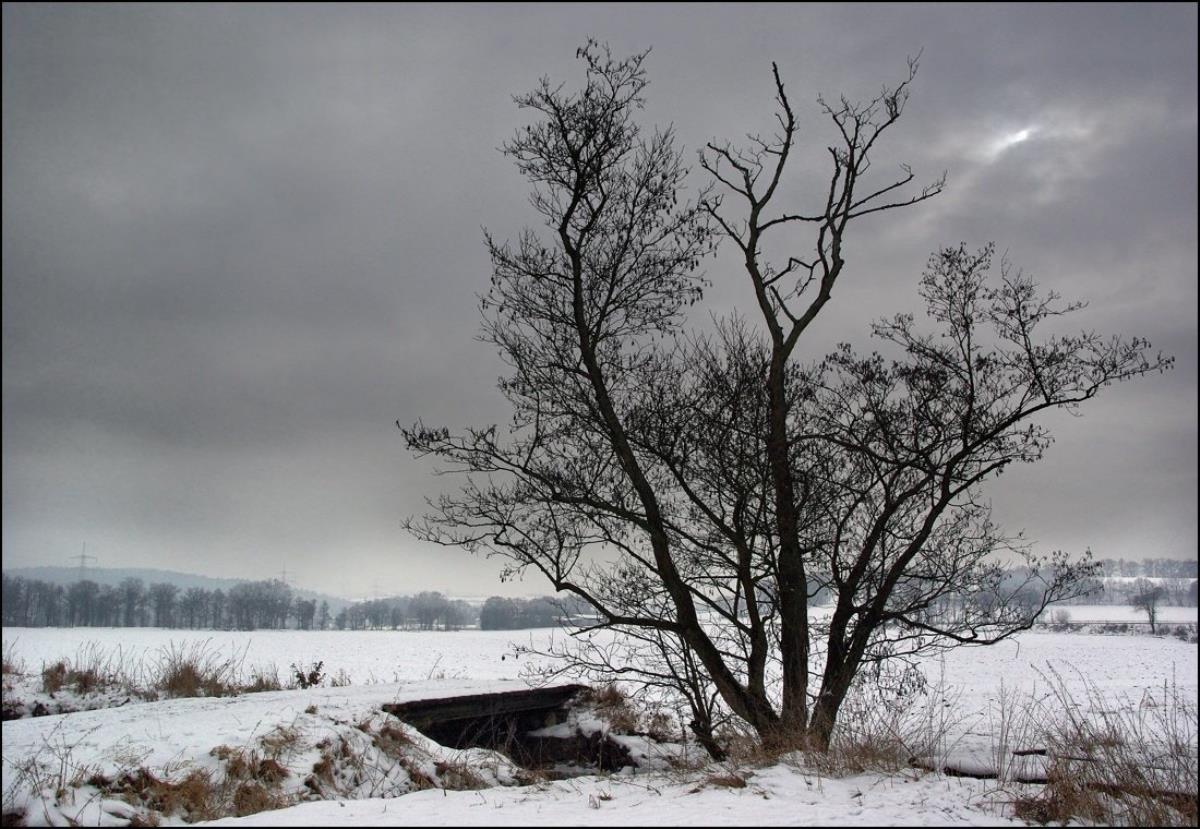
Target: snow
{"points": [[1100, 613], [967, 687], [365, 656], [778, 795]]}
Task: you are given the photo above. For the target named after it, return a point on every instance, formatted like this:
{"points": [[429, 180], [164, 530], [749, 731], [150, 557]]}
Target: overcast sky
{"points": [[240, 242]]}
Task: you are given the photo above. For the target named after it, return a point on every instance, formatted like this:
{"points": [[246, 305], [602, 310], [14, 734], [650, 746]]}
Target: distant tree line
{"points": [[427, 610], [499, 613], [1168, 590], [1166, 568], [246, 606], [258, 605]]}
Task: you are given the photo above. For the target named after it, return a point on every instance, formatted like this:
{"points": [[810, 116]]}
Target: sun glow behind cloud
{"points": [[1009, 140]]}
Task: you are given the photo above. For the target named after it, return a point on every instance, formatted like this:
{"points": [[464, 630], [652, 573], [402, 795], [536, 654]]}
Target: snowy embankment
{"points": [[783, 794], [256, 752], [176, 739]]}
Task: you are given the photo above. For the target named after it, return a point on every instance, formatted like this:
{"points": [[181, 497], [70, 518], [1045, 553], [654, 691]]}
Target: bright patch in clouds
{"points": [[1004, 142]]}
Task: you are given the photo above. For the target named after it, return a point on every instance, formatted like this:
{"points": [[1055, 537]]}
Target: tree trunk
{"points": [[792, 585]]}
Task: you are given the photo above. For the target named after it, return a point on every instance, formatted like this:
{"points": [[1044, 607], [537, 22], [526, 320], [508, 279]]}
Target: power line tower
{"points": [[283, 575], [83, 557]]}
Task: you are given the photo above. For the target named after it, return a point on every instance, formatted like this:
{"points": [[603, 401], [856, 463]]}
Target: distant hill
{"points": [[115, 575]]}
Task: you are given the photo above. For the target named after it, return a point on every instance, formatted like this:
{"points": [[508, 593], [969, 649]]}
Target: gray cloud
{"points": [[240, 241]]}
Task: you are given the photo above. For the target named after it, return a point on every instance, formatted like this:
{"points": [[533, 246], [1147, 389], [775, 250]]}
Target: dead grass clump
{"points": [[392, 740], [458, 776], [240, 763], [263, 678], [419, 778], [194, 671], [54, 677], [246, 764], [280, 741], [844, 757], [10, 663], [728, 780], [614, 706], [607, 696], [743, 746], [334, 754], [271, 771], [195, 797], [86, 680], [322, 770], [251, 798]]}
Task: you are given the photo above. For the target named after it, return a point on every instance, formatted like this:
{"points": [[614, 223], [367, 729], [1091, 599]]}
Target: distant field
{"points": [[1124, 613], [365, 656], [1131, 664]]}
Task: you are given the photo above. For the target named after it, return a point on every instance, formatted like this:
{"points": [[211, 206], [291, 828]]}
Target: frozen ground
{"points": [[966, 688]]}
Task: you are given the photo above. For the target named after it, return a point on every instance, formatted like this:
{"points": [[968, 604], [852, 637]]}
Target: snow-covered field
{"points": [[966, 688], [366, 656], [1084, 613]]}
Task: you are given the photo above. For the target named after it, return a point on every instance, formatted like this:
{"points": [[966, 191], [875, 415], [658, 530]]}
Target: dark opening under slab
{"points": [[503, 722]]}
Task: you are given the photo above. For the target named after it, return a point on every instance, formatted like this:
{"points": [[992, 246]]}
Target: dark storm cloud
{"points": [[239, 241]]}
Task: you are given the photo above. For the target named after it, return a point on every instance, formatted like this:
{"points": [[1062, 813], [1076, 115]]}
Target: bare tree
{"points": [[1147, 600], [732, 484], [133, 601], [162, 597]]}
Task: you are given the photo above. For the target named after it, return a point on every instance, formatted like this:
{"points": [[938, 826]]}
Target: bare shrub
{"points": [[309, 677], [1016, 726], [889, 720]]}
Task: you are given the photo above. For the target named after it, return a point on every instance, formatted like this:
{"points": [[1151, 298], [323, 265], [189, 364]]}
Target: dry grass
{"points": [[623, 715], [262, 678], [1118, 763], [743, 746], [195, 670], [392, 740], [54, 677], [249, 784], [727, 780], [90, 671], [280, 742], [10, 663], [458, 775]]}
